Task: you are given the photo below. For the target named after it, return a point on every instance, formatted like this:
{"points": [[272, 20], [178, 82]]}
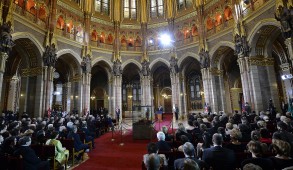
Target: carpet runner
{"points": [[111, 155]]}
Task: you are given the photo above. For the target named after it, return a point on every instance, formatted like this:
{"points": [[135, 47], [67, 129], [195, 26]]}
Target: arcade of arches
{"points": [[81, 55]]}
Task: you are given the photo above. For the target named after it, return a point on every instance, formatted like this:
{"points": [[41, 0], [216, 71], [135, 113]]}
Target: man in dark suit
{"points": [[162, 144], [78, 145], [189, 153], [117, 112], [218, 157], [30, 159], [176, 111]]}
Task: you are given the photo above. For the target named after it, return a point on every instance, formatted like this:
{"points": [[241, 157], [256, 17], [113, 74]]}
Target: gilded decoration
{"points": [[69, 8], [31, 72], [261, 61], [77, 78], [216, 72]]}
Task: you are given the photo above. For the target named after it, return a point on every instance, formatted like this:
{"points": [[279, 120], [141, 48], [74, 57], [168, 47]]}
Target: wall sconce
{"points": [[76, 96], [93, 97]]}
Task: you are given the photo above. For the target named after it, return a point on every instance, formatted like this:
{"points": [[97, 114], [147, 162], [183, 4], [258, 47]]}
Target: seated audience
{"points": [[153, 149], [189, 152], [168, 137], [255, 136], [89, 136], [251, 166], [235, 144], [282, 150], [78, 145], [217, 157], [61, 154], [183, 140], [182, 131], [254, 147], [162, 144], [30, 159], [8, 146], [153, 163], [190, 164]]}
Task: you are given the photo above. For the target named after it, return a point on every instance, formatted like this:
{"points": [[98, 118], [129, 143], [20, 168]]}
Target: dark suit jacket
{"points": [[30, 159], [179, 163], [78, 145], [163, 146], [219, 158], [264, 163]]}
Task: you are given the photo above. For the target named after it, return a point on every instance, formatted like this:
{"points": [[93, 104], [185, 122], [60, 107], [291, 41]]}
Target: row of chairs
{"points": [[8, 162], [46, 152]]}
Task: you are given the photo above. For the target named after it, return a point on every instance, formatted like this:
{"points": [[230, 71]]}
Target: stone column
{"points": [[258, 104], [11, 101], [222, 93], [175, 85], [214, 89], [110, 98], [23, 94], [272, 83], [66, 96], [206, 85], [48, 87], [3, 58], [244, 79], [38, 110], [117, 96], [183, 93], [86, 81], [76, 93], [146, 97], [288, 43]]}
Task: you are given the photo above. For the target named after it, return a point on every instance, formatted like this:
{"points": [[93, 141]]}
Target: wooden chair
{"points": [[14, 163], [82, 136], [69, 144], [38, 150], [49, 153]]}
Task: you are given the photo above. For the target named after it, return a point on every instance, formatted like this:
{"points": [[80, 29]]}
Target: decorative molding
{"points": [[77, 78], [187, 16], [71, 9], [31, 72], [158, 25], [261, 61], [214, 71], [285, 67], [130, 26], [100, 21]]}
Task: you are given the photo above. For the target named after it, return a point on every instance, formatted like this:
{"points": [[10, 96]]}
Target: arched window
{"points": [[157, 8], [184, 4], [102, 6], [130, 9], [194, 84]]}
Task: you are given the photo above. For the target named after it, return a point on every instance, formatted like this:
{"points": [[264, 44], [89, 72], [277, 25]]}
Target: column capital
{"points": [[76, 78], [216, 72], [3, 58], [285, 67]]}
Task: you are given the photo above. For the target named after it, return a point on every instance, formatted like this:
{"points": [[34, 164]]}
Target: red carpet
{"points": [[110, 155]]}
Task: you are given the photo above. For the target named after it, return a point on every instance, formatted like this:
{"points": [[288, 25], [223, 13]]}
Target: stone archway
{"points": [[23, 70], [101, 88]]}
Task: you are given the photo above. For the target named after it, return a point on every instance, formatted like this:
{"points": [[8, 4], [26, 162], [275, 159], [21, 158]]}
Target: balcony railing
{"points": [[30, 16]]}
